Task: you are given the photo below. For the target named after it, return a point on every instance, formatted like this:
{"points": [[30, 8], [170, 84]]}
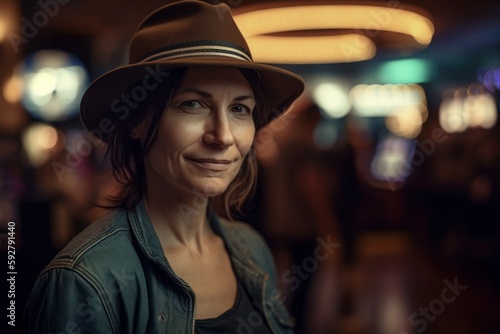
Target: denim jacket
{"points": [[114, 278]]}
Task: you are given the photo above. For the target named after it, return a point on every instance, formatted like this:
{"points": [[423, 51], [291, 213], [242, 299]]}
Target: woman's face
{"points": [[205, 132]]}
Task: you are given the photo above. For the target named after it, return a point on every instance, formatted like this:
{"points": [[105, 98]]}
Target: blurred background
{"points": [[378, 192]]}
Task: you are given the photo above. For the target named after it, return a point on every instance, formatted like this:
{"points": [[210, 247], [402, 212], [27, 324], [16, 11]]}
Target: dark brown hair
{"points": [[125, 155]]}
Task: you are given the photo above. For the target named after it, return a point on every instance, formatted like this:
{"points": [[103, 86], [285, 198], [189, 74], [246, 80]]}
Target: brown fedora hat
{"points": [[182, 34]]}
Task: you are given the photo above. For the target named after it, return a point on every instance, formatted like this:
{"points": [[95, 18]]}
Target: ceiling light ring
{"points": [[365, 21]]}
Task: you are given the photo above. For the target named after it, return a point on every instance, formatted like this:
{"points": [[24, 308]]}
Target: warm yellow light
{"points": [[37, 140], [421, 29], [312, 50], [383, 100], [451, 116], [467, 108], [405, 122], [12, 89], [368, 19], [3, 29]]}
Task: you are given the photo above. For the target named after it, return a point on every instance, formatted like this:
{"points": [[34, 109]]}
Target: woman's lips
{"points": [[215, 165]]}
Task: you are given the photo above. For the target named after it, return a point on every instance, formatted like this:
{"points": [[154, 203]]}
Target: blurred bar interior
{"points": [[379, 191]]}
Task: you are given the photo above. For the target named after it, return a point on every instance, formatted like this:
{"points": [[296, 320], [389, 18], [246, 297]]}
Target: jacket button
{"points": [[161, 318]]}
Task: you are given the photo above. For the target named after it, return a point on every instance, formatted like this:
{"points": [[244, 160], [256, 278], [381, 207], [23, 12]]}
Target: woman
{"points": [[179, 122]]}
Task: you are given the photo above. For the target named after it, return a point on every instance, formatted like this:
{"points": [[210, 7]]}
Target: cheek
{"points": [[165, 147], [177, 134], [246, 136]]}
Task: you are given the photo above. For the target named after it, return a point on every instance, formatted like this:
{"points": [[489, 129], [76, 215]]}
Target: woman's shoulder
{"points": [[92, 283], [98, 244]]}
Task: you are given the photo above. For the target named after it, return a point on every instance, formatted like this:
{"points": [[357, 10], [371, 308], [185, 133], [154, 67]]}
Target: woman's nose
{"points": [[218, 130]]}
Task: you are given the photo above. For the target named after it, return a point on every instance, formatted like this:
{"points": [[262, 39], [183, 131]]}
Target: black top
{"points": [[243, 317]]}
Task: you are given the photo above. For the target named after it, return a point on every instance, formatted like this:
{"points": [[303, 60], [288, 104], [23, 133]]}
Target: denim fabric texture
{"points": [[113, 277]]}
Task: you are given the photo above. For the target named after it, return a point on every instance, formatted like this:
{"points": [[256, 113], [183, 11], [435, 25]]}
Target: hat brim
{"points": [[103, 103]]}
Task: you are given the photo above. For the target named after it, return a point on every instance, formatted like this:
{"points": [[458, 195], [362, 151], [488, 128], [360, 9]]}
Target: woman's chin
{"points": [[210, 189]]}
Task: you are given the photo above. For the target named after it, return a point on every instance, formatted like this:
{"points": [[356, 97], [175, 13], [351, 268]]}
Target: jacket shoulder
{"points": [[246, 238], [99, 274], [109, 236], [242, 232]]}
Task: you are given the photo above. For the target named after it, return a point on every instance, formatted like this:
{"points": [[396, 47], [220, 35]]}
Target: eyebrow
{"points": [[208, 95]]}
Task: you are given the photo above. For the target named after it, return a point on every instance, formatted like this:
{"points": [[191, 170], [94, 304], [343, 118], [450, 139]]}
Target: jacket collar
{"points": [[150, 244]]}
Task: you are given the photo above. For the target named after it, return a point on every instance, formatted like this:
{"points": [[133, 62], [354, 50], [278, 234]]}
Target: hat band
{"points": [[199, 51]]}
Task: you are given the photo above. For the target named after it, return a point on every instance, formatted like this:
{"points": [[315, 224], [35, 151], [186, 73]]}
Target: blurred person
{"points": [[310, 194], [179, 122]]}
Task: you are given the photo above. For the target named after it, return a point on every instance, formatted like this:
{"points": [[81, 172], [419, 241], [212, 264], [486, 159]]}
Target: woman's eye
{"points": [[241, 109], [191, 104]]}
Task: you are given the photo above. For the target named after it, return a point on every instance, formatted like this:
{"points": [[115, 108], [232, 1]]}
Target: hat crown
{"points": [[182, 34], [186, 29]]}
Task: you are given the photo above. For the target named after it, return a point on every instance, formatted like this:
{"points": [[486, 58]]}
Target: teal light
{"points": [[406, 71]]}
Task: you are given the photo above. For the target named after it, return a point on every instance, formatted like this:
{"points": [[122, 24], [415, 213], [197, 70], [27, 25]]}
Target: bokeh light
{"points": [[381, 100], [462, 108], [406, 71], [490, 78], [12, 89], [38, 139], [332, 100], [3, 28], [53, 82], [405, 122], [404, 107], [393, 158]]}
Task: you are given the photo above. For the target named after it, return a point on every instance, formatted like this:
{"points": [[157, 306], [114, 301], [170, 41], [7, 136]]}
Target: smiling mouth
{"points": [[215, 165]]}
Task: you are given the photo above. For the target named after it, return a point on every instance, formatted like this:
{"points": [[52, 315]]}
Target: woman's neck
{"points": [[179, 217]]}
